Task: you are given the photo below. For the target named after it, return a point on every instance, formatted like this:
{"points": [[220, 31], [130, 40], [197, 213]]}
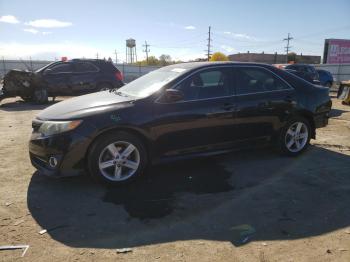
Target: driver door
{"points": [[57, 79], [203, 120]]}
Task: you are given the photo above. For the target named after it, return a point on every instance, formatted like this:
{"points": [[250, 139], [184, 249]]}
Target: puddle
{"points": [[153, 196]]}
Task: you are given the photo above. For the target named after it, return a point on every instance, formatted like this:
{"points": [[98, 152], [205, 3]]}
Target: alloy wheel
{"points": [[296, 137], [119, 161]]}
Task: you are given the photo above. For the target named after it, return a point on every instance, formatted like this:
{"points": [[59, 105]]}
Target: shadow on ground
{"points": [[215, 198]]}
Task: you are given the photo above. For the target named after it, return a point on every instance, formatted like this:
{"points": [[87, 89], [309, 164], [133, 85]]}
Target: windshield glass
{"points": [[151, 82]]}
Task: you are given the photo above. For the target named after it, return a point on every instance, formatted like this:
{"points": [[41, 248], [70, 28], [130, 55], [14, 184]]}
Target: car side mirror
{"points": [[172, 96]]}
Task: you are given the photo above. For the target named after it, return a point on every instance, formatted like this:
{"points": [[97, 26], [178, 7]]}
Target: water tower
{"points": [[131, 56]]}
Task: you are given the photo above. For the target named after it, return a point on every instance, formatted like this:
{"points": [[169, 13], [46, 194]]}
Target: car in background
{"points": [[177, 111], [63, 78], [325, 77], [305, 71]]}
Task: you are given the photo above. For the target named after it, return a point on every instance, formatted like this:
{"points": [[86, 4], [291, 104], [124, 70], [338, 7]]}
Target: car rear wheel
{"points": [[117, 158], [295, 136]]}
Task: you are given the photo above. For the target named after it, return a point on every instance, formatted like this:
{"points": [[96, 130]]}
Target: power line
{"points": [[288, 47], [209, 44], [146, 50]]}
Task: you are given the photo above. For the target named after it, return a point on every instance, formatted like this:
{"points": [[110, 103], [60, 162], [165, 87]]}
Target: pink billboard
{"points": [[338, 51]]}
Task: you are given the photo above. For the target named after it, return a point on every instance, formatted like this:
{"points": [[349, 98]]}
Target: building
{"points": [[273, 58], [336, 51]]}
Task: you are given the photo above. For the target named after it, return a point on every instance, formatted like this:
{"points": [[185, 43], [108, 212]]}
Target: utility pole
{"points": [[116, 56], [209, 44], [146, 50], [288, 47], [97, 55]]}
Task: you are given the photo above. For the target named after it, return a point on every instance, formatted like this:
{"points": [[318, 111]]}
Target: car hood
{"points": [[83, 106]]}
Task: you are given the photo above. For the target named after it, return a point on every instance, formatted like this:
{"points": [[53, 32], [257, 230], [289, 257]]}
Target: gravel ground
{"points": [[252, 205]]}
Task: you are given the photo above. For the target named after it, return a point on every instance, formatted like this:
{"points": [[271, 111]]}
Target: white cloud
{"points": [[9, 19], [31, 30], [48, 23], [227, 48], [190, 27], [240, 36], [46, 33]]}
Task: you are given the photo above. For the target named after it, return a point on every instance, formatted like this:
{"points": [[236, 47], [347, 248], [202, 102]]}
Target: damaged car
{"points": [[63, 78]]}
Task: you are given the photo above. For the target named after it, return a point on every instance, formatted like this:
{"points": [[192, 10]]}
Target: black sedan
{"points": [[182, 110]]}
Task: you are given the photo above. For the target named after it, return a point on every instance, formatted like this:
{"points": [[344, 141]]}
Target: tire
{"points": [[104, 87], [109, 162], [40, 96], [291, 143]]}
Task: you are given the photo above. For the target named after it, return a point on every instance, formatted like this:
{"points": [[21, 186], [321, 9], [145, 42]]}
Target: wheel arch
{"points": [[144, 139], [309, 117]]}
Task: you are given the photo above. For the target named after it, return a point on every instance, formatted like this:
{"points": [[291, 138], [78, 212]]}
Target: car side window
{"points": [[84, 67], [257, 80], [60, 68], [207, 84]]}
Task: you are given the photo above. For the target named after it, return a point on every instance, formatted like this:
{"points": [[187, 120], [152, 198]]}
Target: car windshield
{"points": [[151, 82]]}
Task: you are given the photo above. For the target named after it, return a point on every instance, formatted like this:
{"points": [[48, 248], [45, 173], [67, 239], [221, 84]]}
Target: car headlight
{"points": [[55, 127]]}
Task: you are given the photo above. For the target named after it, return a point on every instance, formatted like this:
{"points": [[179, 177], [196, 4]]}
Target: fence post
{"points": [[3, 66]]}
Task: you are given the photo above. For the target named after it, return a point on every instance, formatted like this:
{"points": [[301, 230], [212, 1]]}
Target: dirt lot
{"points": [[245, 206]]}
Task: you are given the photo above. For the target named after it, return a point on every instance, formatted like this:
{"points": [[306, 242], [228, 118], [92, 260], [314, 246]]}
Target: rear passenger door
{"points": [[84, 77], [263, 102]]}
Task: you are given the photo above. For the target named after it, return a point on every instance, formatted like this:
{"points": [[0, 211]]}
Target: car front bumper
{"points": [[68, 149]]}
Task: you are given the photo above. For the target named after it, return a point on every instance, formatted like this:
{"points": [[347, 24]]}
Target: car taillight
{"points": [[119, 76]]}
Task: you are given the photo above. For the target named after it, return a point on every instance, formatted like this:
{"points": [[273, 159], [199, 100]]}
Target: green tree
{"points": [[292, 57], [218, 56], [165, 60]]}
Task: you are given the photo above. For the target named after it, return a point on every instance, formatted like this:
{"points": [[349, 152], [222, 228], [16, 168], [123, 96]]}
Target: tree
{"points": [[292, 57], [218, 56], [165, 60]]}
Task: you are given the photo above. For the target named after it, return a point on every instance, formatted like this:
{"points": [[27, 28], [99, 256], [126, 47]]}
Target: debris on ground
{"points": [[42, 232], [347, 231], [264, 244], [343, 249], [8, 204], [18, 222], [123, 250], [25, 247], [329, 251]]}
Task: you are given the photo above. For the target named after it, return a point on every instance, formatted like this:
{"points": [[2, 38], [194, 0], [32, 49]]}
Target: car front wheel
{"points": [[117, 158], [295, 136]]}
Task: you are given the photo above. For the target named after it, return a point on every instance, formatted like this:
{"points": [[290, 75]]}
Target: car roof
{"points": [[198, 65]]}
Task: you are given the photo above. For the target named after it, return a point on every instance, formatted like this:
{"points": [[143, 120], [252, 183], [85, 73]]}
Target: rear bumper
{"points": [[321, 120]]}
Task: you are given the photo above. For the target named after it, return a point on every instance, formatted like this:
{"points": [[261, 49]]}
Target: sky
{"points": [[47, 30]]}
